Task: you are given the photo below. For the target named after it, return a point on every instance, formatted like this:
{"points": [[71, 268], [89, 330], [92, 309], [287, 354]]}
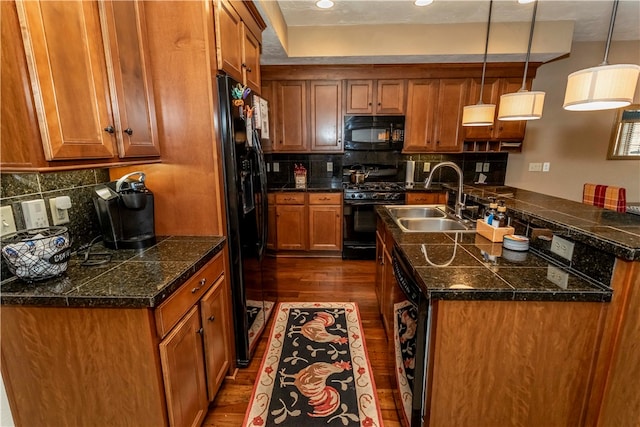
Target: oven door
{"points": [[359, 227], [411, 326]]}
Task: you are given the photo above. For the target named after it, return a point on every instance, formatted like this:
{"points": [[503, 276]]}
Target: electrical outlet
{"points": [[426, 167], [276, 167], [485, 167], [59, 216], [557, 276], [478, 167], [268, 167], [35, 214], [562, 247], [546, 166], [329, 166], [535, 167], [7, 221]]}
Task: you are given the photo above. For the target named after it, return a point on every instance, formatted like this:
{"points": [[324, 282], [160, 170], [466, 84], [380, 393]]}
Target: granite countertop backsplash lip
{"points": [[465, 259], [131, 279], [612, 232]]}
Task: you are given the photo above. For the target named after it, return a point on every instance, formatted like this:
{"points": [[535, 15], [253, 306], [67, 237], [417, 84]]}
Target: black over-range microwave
{"points": [[374, 133]]}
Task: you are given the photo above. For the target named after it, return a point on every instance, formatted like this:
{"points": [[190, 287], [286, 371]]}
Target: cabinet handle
{"points": [[200, 331], [109, 129], [200, 285], [245, 66], [128, 131], [212, 318]]}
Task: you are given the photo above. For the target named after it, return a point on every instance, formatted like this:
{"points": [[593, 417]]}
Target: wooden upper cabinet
{"points": [[326, 115], [89, 79], [135, 115], [268, 93], [237, 47], [434, 115], [291, 113], [500, 130], [375, 97]]}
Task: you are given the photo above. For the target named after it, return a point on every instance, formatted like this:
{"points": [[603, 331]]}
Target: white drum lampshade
{"points": [[601, 88], [521, 105], [478, 115]]}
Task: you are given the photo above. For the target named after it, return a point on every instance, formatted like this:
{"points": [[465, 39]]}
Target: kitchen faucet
{"points": [[459, 204]]}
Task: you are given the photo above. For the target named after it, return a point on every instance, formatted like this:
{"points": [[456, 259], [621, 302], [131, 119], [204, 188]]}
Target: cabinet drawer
{"points": [[172, 310], [325, 198], [271, 198], [426, 198], [290, 198]]}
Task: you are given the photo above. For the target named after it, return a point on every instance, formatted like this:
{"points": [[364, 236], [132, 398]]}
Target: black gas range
{"points": [[374, 192]]}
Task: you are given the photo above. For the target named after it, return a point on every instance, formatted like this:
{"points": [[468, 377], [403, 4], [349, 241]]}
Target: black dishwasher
{"points": [[411, 326]]}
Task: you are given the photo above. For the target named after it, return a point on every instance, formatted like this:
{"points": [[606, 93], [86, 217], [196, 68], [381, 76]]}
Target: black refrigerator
{"points": [[246, 208]]}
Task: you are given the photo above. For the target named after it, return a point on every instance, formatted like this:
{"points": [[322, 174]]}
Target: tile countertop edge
{"points": [[617, 248], [120, 301]]}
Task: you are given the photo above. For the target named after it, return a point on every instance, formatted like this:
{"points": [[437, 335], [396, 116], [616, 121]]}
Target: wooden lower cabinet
{"points": [[416, 198], [307, 221], [120, 366]]}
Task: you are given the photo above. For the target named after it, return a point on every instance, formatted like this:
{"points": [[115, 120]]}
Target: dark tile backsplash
{"points": [[78, 185], [316, 165]]}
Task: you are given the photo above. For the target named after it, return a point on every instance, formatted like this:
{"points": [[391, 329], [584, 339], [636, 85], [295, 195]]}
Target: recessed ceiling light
{"points": [[423, 2], [324, 4]]}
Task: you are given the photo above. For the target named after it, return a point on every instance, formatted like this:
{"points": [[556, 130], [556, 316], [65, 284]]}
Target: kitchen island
{"points": [[510, 333], [141, 339]]}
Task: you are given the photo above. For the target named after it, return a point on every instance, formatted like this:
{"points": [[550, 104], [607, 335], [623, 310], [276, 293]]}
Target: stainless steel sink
{"points": [[418, 212], [426, 225], [427, 218]]}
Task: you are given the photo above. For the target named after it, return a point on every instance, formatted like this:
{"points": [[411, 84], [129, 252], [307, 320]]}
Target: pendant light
{"points": [[523, 104], [603, 87], [480, 114]]}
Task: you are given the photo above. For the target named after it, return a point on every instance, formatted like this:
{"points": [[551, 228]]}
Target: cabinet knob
{"points": [[212, 318], [369, 104], [128, 131], [379, 104], [109, 129], [200, 331], [203, 281]]}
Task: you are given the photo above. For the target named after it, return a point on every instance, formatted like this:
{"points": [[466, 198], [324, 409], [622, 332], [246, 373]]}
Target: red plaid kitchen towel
{"points": [[605, 196]]}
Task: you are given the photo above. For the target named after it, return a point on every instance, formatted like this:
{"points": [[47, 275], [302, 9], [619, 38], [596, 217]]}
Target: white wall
{"points": [[575, 143]]}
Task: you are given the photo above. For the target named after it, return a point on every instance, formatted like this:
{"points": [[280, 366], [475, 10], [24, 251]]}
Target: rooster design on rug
{"points": [[311, 381], [316, 329]]}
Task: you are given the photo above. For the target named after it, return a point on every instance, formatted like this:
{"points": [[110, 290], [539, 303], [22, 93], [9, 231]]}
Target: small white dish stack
{"points": [[515, 242]]}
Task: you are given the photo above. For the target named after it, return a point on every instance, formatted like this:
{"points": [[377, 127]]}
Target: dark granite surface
{"points": [[130, 278], [466, 266], [329, 185], [609, 231]]}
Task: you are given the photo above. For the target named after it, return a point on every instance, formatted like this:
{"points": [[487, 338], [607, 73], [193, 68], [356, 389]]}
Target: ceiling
{"points": [[397, 31]]}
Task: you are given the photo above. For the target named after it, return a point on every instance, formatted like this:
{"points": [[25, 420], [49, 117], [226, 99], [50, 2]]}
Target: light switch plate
{"points": [[59, 216], [35, 214], [485, 167], [7, 221], [478, 167], [426, 167], [329, 166], [562, 247], [276, 167], [546, 166], [535, 167]]}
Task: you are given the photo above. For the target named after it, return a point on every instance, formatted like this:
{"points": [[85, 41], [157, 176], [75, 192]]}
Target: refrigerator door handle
{"points": [[262, 170]]}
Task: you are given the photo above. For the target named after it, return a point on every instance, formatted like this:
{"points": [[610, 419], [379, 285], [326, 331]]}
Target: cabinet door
{"points": [[184, 372], [421, 103], [65, 52], [251, 60], [229, 37], [291, 110], [325, 228], [490, 95], [380, 266], [268, 94], [272, 236], [390, 96], [510, 129], [359, 97], [452, 97], [291, 227], [388, 283], [326, 115], [214, 313], [134, 114]]}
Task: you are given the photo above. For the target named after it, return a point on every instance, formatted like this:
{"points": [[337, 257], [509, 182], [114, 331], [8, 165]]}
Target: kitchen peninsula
{"points": [[122, 339], [527, 327]]}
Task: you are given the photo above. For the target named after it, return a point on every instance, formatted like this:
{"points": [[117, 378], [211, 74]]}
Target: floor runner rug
{"points": [[256, 319], [315, 370]]}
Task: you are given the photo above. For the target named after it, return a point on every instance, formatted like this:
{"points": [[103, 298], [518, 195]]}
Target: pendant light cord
{"points": [[605, 61], [486, 48], [526, 63]]}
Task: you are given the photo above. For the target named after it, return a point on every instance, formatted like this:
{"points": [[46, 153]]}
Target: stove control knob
{"points": [[353, 196], [374, 196], [360, 195]]}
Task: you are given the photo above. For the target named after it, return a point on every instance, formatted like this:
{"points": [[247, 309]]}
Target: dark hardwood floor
{"points": [[322, 280]]}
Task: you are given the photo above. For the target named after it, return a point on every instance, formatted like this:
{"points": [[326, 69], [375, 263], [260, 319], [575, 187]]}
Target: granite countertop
{"points": [[445, 263], [612, 232], [328, 185], [131, 278]]}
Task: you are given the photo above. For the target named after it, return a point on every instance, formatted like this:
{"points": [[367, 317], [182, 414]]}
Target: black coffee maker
{"points": [[125, 212]]}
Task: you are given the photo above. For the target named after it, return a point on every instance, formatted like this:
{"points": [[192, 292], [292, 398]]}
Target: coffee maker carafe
{"points": [[125, 212]]}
